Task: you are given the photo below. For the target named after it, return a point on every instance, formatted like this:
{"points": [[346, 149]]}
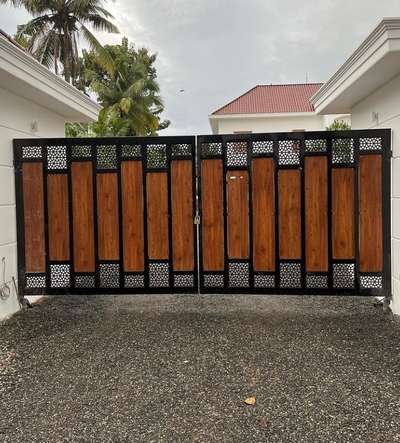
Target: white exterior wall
{"points": [[386, 103], [282, 123], [16, 115], [270, 124]]}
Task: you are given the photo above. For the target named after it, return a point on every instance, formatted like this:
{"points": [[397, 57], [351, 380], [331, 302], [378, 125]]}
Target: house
{"points": [[367, 85], [272, 108], [34, 103]]}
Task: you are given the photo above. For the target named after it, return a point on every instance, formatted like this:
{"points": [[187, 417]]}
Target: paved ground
{"points": [[177, 368]]}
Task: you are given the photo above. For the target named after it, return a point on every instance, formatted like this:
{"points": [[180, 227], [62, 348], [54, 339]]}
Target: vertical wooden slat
{"points": [[182, 215], [157, 215], [343, 214], [83, 219], [132, 209], [212, 215], [316, 213], [238, 214], [33, 196], [263, 190], [371, 252], [58, 217], [107, 214], [289, 188]]}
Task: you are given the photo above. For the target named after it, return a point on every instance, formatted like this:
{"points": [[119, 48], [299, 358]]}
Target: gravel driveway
{"points": [[177, 368]]}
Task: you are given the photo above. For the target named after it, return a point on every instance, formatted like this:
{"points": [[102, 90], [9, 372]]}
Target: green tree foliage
{"points": [[338, 125], [346, 146], [52, 35], [129, 95], [73, 130]]}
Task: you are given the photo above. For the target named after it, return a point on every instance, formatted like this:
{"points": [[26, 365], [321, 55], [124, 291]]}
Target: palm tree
{"points": [[131, 94], [54, 31]]}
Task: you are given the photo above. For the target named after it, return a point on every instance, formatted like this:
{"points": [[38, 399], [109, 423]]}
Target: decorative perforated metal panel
{"points": [[131, 151], [85, 281], [343, 151], [157, 156], [106, 157], [81, 151], [57, 157], [60, 276], [289, 152], [263, 147], [134, 281]]}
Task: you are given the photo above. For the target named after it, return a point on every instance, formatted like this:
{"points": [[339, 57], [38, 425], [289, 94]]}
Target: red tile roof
{"points": [[274, 99]]}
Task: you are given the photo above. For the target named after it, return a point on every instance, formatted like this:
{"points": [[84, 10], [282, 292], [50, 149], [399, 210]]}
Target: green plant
{"points": [[338, 125], [52, 35], [129, 95]]}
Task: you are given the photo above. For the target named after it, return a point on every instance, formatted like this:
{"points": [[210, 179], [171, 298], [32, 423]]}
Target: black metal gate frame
{"points": [[278, 146], [289, 151]]}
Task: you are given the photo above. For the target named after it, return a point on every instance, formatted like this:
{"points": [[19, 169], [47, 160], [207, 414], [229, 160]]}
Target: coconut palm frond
{"points": [[104, 57], [101, 24], [56, 27]]}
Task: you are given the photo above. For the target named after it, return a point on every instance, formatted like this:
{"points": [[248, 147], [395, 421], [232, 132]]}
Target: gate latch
{"points": [[196, 220]]}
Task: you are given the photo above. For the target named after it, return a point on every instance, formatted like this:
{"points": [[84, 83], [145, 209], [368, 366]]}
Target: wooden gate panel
{"points": [[107, 212], [371, 248], [289, 190], [263, 190], [238, 214], [83, 217], [33, 203], [182, 215], [157, 215], [316, 213], [212, 215], [343, 240], [132, 214], [58, 217]]}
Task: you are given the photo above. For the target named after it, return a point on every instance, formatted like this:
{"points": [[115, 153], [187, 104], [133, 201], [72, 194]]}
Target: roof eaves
{"points": [[16, 59], [260, 114], [384, 25]]}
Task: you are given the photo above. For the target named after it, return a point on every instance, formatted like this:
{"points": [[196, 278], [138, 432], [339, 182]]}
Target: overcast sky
{"points": [[217, 49]]}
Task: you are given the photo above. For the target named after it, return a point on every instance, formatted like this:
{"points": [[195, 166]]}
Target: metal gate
{"points": [[303, 213], [109, 215]]}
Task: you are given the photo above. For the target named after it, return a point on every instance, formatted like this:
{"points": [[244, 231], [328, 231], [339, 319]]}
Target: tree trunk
{"points": [[56, 57], [67, 70]]}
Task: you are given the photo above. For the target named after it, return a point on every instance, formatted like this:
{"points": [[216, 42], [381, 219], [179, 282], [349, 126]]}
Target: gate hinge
{"points": [[196, 220]]}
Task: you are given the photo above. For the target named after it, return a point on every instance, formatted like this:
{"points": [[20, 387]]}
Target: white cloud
{"points": [[217, 49]]}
